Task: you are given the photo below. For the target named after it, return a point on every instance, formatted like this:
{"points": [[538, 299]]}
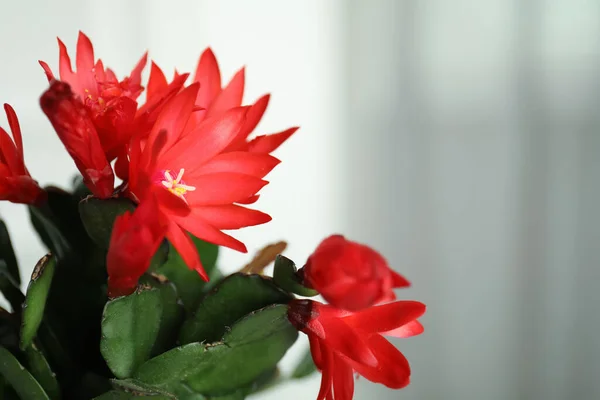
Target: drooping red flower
{"points": [[16, 185], [343, 342], [350, 275], [214, 99], [191, 166], [78, 134], [111, 104], [134, 240]]}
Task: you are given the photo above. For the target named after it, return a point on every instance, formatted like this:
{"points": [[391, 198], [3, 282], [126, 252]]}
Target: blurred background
{"points": [[460, 138]]}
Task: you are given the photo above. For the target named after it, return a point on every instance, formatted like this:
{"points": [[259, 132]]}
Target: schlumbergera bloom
{"points": [[191, 165], [350, 275], [135, 238], [213, 99], [110, 104], [16, 185], [343, 342], [95, 115]]}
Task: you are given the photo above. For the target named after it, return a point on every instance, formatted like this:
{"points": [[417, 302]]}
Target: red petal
{"points": [[85, 53], [64, 65], [174, 117], [249, 200], [222, 188], [197, 226], [230, 97], [315, 351], [340, 337], [85, 65], [268, 143], [15, 128], [231, 216], [343, 380], [134, 240], [206, 141], [385, 317], [398, 281], [47, 70], [186, 248], [157, 81], [136, 74], [392, 370], [9, 154], [326, 373], [257, 165], [413, 328], [209, 77], [147, 114], [253, 117]]}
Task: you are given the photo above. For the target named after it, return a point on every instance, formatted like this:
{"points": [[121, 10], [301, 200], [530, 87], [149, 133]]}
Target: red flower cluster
{"points": [[185, 155], [186, 158], [347, 336]]}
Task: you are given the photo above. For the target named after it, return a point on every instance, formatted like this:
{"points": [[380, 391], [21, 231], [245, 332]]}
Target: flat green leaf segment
{"points": [[23, 383], [130, 327], [35, 299], [253, 347], [41, 371], [236, 296]]}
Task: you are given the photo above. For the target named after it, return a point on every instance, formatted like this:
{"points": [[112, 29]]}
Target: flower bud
{"points": [[350, 275]]}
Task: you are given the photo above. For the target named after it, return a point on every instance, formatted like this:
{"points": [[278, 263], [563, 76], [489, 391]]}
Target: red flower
{"points": [[110, 103], [134, 240], [214, 99], [191, 166], [342, 342], [77, 132], [16, 185], [350, 275]]}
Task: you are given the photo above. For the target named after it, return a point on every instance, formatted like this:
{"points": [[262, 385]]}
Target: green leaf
{"points": [[9, 329], [19, 378], [58, 223], [253, 346], [256, 344], [171, 318], [98, 217], [190, 286], [234, 297], [130, 327], [35, 300], [10, 288], [119, 395], [305, 366], [50, 233], [40, 369], [180, 392], [286, 278], [8, 254]]}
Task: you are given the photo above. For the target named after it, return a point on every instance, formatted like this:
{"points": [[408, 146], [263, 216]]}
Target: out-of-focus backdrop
{"points": [[461, 138]]}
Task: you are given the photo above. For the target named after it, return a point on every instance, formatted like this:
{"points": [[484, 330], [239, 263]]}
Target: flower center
{"points": [[176, 185]]}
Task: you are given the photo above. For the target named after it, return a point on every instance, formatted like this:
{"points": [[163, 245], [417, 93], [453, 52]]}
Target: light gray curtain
{"points": [[473, 159]]}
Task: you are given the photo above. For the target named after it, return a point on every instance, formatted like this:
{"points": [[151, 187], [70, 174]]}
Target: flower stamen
{"points": [[176, 186]]}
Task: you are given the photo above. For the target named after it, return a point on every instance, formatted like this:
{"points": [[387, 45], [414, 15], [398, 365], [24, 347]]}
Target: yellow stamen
{"points": [[175, 186]]}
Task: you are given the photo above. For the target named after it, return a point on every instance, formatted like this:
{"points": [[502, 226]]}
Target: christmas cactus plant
{"points": [[129, 301]]}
